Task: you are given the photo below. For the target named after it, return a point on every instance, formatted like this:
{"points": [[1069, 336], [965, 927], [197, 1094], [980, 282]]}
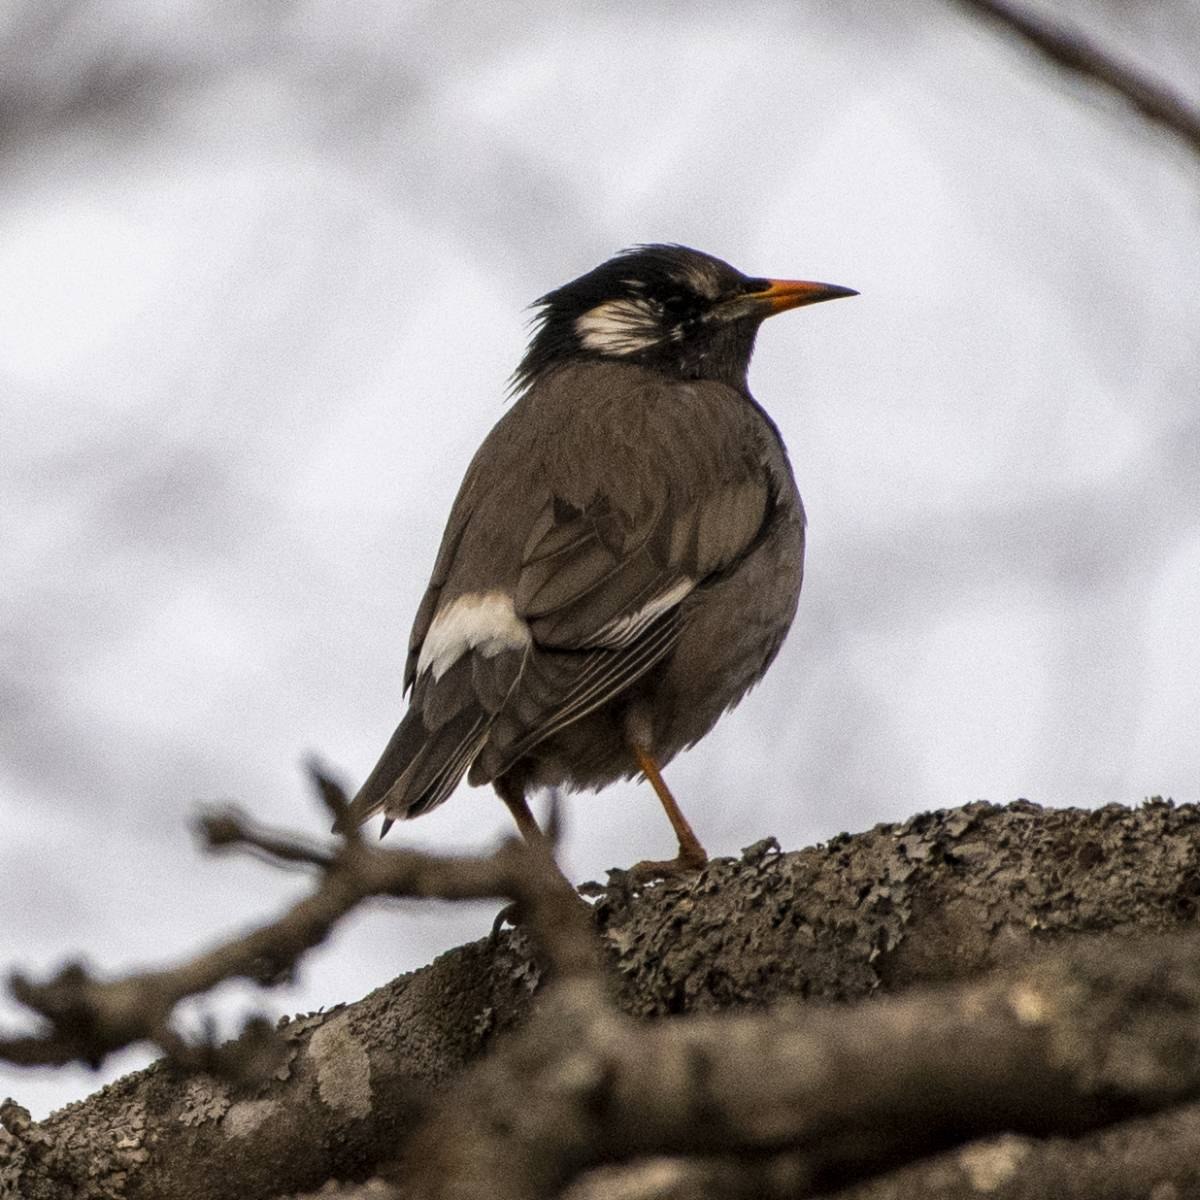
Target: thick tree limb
{"points": [[1156, 1156], [1073, 51], [1147, 1157], [373, 1189], [941, 897], [1153, 1157], [1058, 1046]]}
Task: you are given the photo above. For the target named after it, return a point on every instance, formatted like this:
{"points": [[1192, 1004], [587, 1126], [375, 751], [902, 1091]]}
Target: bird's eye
{"points": [[676, 305]]}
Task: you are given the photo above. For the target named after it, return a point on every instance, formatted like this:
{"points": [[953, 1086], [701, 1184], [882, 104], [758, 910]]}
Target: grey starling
{"points": [[624, 556]]}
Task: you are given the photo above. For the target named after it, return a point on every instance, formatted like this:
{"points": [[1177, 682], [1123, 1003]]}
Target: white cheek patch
{"points": [[622, 631], [702, 280], [482, 621], [620, 326]]}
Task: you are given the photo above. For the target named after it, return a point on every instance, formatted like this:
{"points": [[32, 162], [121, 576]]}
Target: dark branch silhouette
{"points": [[1075, 52], [89, 1018]]}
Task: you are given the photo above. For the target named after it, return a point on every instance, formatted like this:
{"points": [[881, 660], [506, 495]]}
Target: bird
{"points": [[624, 556]]}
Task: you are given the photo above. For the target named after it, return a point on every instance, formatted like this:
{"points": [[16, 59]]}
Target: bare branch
{"points": [[373, 1189], [1148, 1156], [1057, 1046], [946, 894], [700, 1177], [334, 797], [1073, 51], [90, 1018], [1156, 1156]]}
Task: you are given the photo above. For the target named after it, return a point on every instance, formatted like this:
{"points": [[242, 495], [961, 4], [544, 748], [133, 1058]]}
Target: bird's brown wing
{"points": [[451, 538], [596, 576], [601, 590]]}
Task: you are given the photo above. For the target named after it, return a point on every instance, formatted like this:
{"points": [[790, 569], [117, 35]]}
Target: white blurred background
{"points": [[263, 276]]}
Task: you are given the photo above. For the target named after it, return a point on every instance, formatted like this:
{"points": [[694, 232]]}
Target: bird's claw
{"points": [[671, 868], [510, 914]]}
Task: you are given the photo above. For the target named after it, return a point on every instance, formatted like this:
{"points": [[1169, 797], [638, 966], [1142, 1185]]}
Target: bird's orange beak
{"points": [[782, 294]]}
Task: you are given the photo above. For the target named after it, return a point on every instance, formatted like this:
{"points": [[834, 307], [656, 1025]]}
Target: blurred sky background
{"points": [[264, 270]]}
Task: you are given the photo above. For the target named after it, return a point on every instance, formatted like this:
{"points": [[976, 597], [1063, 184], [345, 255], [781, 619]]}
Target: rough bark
{"points": [[1062, 1043], [1156, 1157], [1152, 1157], [941, 897]]}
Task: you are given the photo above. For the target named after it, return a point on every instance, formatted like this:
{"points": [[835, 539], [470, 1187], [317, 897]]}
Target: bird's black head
{"points": [[669, 308]]}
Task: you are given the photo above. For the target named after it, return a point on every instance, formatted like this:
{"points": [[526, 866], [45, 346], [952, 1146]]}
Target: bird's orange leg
{"points": [[512, 792], [692, 856]]}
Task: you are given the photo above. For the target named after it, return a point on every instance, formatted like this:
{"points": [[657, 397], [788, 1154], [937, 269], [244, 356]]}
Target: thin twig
{"points": [[1073, 51], [89, 1018]]}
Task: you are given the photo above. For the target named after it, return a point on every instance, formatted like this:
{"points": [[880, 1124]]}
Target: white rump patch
{"points": [[620, 326], [621, 631], [482, 621]]}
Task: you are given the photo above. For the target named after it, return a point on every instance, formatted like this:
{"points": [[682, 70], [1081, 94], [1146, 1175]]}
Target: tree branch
{"points": [[90, 1018], [1148, 1156], [1073, 51], [942, 896], [1058, 1046], [1157, 1156]]}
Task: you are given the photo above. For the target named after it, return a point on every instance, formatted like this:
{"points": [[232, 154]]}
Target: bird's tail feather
{"points": [[419, 768]]}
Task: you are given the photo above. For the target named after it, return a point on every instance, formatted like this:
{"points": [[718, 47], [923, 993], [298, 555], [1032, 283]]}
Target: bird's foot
{"points": [[510, 914], [686, 862]]}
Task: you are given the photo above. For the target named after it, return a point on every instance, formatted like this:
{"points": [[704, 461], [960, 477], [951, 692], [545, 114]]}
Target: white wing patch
{"points": [[620, 326], [621, 631], [482, 621]]}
